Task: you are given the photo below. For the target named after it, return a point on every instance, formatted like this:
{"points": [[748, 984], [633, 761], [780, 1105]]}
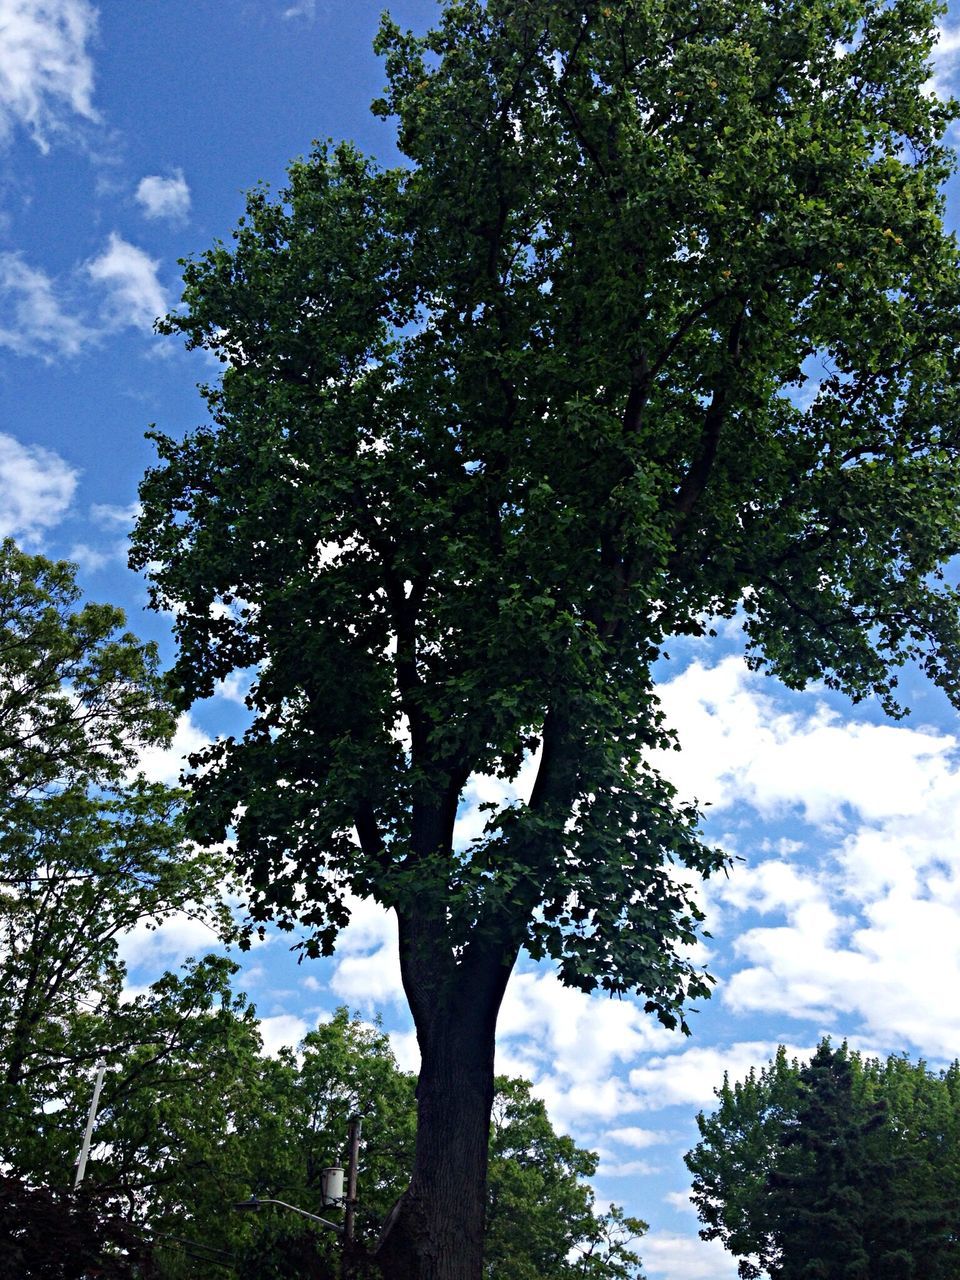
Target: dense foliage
{"points": [[198, 1119], [49, 1235], [844, 1168]]}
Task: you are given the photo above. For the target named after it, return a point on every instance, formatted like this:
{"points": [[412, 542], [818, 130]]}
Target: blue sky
{"points": [[128, 134]]}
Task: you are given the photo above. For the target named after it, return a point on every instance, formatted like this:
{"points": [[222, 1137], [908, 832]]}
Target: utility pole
{"points": [[101, 1067], [350, 1204]]}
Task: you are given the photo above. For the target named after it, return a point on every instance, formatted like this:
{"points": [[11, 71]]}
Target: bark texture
{"points": [[435, 1231]]}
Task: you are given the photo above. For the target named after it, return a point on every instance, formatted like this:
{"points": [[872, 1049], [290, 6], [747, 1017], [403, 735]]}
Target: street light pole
{"points": [[255, 1202], [101, 1067]]}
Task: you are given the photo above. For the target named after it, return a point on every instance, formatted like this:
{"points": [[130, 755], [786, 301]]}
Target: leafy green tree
{"points": [[87, 851], [193, 1119], [78, 694], [78, 868], [657, 322], [841, 1169], [542, 1219]]}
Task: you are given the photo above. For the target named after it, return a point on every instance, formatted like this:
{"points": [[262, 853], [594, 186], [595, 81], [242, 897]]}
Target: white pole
{"points": [[101, 1067]]}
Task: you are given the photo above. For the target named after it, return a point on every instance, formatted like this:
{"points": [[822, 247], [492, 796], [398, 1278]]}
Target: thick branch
{"points": [[695, 481]]}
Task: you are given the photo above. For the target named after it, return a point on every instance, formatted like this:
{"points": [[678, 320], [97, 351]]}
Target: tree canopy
{"points": [[497, 424], [845, 1168], [655, 324]]}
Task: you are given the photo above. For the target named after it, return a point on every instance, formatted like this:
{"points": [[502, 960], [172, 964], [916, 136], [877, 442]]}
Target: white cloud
{"points": [[573, 1046], [168, 944], [680, 1200], [35, 322], [625, 1168], [90, 559], [110, 516], [165, 764], [406, 1050], [677, 1257], [946, 57], [36, 489], [283, 1030], [164, 197], [865, 939], [302, 9], [46, 74], [739, 745], [689, 1078], [235, 687], [135, 296], [367, 968], [631, 1136]]}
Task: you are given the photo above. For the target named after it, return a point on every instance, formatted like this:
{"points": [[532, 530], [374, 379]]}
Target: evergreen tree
{"points": [[843, 1169]]}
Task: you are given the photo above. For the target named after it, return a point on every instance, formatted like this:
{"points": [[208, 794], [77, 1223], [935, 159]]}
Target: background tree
{"points": [[494, 425], [79, 696], [88, 848], [193, 1119], [51, 1236], [843, 1167]]}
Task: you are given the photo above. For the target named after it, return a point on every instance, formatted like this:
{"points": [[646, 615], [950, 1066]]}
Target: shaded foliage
{"points": [[59, 1235]]}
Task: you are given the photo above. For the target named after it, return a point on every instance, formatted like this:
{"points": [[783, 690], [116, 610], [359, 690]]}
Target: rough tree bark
{"points": [[435, 1231]]}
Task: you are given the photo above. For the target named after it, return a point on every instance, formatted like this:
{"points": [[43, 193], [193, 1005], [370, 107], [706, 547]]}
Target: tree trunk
{"points": [[435, 1231]]}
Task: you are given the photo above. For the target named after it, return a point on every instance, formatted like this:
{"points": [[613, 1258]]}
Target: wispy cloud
{"points": [[35, 321], [36, 489], [946, 62], [302, 9], [135, 296], [164, 197], [108, 515], [46, 73]]}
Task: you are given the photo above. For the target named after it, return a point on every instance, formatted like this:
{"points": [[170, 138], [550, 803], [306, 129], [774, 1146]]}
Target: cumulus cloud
{"points": [[677, 1257], [739, 745], [573, 1046], [36, 489], [35, 321], [161, 197], [46, 74], [134, 295], [690, 1076], [367, 968], [853, 928], [946, 59], [282, 1031]]}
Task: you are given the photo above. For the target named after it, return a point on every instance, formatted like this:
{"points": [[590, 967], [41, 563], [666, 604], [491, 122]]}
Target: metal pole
{"points": [[101, 1067], [353, 1161], [255, 1202]]}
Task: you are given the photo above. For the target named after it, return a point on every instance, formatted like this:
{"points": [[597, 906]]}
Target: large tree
{"points": [[843, 1168], [656, 323]]}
